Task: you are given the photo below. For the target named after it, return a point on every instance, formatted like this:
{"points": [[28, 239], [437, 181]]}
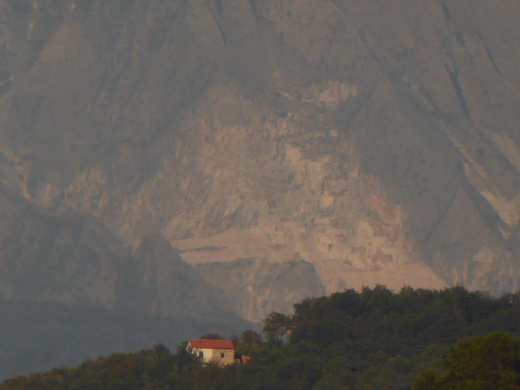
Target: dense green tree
{"points": [[249, 342], [479, 363], [373, 339], [277, 326]]}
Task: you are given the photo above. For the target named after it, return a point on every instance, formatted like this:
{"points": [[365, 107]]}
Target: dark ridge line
{"points": [[220, 8], [459, 91], [490, 55], [445, 10]]}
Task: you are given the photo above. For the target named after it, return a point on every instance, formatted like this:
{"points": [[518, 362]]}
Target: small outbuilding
{"points": [[213, 351]]}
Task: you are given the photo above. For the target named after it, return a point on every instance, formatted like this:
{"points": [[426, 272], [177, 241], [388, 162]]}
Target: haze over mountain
{"points": [[223, 159]]}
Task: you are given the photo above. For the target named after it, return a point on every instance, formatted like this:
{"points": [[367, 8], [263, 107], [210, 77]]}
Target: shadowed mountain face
{"points": [[344, 144], [73, 259], [70, 291]]}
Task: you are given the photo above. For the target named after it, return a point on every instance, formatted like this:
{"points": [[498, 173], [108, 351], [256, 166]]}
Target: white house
{"points": [[213, 351]]}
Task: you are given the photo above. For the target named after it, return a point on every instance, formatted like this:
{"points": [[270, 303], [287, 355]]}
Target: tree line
{"points": [[369, 339]]}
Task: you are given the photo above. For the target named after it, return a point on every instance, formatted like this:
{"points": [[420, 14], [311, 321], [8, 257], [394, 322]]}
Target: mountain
{"points": [[73, 259], [70, 290], [236, 156]]}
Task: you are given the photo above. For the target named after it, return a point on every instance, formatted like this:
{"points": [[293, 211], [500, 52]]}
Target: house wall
{"points": [[214, 355]]}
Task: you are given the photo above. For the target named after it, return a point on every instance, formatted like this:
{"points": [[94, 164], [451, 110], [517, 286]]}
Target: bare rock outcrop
{"points": [[372, 144]]}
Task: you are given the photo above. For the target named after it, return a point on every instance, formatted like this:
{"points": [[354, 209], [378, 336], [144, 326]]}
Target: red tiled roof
{"points": [[212, 344]]}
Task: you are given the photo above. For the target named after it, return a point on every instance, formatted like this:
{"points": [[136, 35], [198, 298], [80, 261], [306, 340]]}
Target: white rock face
{"points": [[274, 191], [367, 144]]}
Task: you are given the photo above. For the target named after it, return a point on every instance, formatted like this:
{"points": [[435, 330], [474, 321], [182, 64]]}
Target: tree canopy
{"points": [[372, 339], [478, 363]]}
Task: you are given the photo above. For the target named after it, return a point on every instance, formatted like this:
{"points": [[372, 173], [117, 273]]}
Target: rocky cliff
{"points": [[344, 144]]}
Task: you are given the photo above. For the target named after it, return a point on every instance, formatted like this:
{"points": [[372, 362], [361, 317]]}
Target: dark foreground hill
{"points": [[370, 340], [38, 336]]}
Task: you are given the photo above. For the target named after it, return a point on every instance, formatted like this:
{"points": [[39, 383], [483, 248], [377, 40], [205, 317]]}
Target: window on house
{"points": [[222, 355], [201, 354]]}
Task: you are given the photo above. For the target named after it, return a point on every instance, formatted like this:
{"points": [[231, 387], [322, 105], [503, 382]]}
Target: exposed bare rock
{"points": [[377, 143], [257, 287]]}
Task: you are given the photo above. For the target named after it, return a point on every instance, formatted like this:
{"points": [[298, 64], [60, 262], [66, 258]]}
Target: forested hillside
{"points": [[373, 339], [37, 337]]}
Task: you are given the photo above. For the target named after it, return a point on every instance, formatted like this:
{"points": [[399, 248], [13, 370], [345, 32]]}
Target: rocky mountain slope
{"points": [[285, 149], [73, 259]]}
